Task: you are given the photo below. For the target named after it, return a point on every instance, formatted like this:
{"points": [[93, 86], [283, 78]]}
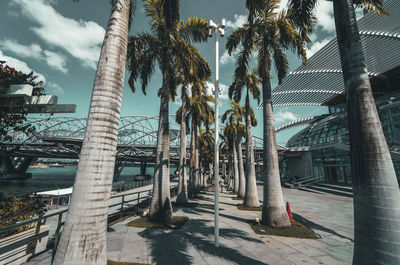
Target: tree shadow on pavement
{"points": [[311, 225], [184, 246], [200, 211]]}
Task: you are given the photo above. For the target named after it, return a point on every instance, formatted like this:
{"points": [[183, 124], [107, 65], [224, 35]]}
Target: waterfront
{"points": [[52, 178]]}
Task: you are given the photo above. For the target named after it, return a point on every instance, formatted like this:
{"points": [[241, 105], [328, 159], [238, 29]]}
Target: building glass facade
{"points": [[328, 140]]}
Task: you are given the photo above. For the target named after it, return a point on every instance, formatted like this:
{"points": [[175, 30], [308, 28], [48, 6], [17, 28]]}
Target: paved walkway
{"points": [[328, 215]]}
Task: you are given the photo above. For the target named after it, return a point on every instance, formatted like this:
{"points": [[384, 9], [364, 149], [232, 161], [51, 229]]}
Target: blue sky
{"points": [[60, 40]]}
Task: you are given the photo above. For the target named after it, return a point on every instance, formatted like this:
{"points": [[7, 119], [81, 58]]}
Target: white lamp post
{"points": [[216, 29]]}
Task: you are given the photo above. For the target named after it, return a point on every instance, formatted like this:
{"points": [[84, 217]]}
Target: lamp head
{"points": [[223, 23], [211, 24], [221, 32]]}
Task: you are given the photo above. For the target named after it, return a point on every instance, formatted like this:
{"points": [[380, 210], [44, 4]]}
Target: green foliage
{"points": [[8, 121], [169, 45], [296, 230], [269, 34], [144, 222], [14, 210], [206, 147]]}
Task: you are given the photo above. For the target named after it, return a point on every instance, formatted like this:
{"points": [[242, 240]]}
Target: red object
{"points": [[289, 212]]}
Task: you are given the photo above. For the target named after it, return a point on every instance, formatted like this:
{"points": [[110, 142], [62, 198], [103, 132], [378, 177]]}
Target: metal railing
{"points": [[116, 207]]}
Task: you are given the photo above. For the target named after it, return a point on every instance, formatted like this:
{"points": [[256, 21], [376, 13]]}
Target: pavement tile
{"points": [[342, 253], [286, 240], [300, 259], [315, 243], [308, 250], [328, 260]]}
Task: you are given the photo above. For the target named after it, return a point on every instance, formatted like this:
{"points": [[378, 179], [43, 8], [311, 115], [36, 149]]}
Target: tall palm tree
{"points": [[200, 112], [376, 193], [235, 116], [250, 81], [206, 150], [83, 240], [188, 78], [230, 136], [269, 34], [168, 44]]}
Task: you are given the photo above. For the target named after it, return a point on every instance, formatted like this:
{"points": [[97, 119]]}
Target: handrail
{"points": [[40, 218]]}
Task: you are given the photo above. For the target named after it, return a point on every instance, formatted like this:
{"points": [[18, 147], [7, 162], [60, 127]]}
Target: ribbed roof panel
{"points": [[321, 78]]}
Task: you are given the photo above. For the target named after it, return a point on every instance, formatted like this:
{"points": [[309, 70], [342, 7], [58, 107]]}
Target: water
{"points": [[44, 179]]}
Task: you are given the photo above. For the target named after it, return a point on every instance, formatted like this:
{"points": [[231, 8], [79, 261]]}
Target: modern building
{"points": [[321, 150]]}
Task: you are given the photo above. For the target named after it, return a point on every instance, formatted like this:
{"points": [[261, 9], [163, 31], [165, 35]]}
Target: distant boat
{"points": [[56, 198], [56, 165]]}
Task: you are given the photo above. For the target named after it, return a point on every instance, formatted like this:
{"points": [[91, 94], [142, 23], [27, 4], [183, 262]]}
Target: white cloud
{"points": [[316, 46], [34, 51], [324, 12], [238, 21], [359, 13], [223, 88], [20, 66], [282, 116], [31, 51], [56, 88], [82, 39], [226, 59], [56, 60]]}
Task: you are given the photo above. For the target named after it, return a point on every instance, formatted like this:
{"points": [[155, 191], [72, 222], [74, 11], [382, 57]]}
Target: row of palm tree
{"points": [[266, 34]]}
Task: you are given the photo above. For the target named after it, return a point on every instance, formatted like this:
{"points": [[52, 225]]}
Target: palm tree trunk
{"points": [[196, 159], [251, 196], [182, 187], [235, 167], [274, 213], [160, 208], [242, 180], [230, 186], [375, 187], [192, 160], [83, 240]]}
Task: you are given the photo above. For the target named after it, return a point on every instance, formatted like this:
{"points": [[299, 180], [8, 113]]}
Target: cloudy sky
{"points": [[60, 41]]}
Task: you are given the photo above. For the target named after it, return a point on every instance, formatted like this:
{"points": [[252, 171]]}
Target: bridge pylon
{"points": [[14, 168]]}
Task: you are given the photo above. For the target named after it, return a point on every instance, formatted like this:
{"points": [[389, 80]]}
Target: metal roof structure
{"points": [[321, 78]]}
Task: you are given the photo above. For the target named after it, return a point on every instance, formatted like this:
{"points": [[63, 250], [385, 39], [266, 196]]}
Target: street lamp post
{"points": [[216, 29]]}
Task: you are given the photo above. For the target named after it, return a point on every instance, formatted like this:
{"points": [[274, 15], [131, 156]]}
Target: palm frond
{"points": [[281, 63], [194, 29], [375, 6], [302, 14], [236, 37]]}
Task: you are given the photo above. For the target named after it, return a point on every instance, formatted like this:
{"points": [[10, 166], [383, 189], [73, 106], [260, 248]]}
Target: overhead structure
{"points": [[321, 79]]}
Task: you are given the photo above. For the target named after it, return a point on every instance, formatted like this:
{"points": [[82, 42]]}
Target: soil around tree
{"points": [[111, 262], [296, 230], [232, 193], [185, 205], [246, 208], [237, 198], [144, 222]]}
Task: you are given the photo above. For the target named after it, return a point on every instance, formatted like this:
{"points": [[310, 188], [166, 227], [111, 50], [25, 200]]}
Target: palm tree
{"points": [[235, 116], [250, 81], [206, 150], [225, 153], [169, 45], [200, 112], [229, 137], [268, 34], [376, 193], [83, 240], [188, 78]]}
